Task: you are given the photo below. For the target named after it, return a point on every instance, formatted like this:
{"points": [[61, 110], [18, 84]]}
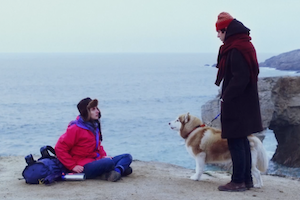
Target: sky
{"points": [[142, 26]]}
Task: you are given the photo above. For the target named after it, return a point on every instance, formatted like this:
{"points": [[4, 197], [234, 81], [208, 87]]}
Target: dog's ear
{"points": [[187, 117]]}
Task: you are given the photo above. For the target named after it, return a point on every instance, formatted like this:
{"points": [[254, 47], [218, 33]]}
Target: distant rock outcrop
{"points": [[285, 61], [280, 108]]}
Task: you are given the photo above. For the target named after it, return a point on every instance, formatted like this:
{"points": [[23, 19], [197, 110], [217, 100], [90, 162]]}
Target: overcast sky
{"points": [[180, 26]]}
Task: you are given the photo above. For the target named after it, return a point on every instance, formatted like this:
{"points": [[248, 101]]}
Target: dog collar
{"points": [[194, 129]]}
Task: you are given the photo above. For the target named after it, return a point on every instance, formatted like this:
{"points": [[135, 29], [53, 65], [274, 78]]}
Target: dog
{"points": [[205, 145]]}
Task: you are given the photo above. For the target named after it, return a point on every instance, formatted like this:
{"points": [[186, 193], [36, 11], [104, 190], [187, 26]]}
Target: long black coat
{"points": [[240, 109]]}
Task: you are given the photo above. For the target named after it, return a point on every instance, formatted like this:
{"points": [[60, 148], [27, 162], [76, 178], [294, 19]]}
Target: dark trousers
{"points": [[241, 159], [104, 165]]}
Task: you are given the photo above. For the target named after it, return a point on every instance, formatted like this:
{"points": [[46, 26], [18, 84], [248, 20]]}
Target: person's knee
{"points": [[110, 164], [106, 164], [128, 156]]}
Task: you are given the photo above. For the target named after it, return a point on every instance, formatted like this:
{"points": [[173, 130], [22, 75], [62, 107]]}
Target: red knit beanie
{"points": [[223, 21]]}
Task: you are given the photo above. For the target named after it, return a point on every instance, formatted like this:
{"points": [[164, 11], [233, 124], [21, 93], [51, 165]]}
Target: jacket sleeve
{"points": [[240, 76], [63, 147], [102, 151]]}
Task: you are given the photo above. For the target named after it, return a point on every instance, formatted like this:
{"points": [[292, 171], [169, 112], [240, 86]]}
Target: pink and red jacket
{"points": [[77, 146]]}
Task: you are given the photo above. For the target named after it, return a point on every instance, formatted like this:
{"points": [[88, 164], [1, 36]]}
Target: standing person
{"points": [[240, 109], [79, 149]]}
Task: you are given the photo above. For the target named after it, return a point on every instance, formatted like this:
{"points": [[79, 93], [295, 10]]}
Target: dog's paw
{"points": [[257, 185], [195, 177]]}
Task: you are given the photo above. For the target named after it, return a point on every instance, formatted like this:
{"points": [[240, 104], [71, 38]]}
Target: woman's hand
{"points": [[108, 157], [78, 169]]}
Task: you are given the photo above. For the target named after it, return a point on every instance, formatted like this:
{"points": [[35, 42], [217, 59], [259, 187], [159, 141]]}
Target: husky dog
{"points": [[205, 145]]}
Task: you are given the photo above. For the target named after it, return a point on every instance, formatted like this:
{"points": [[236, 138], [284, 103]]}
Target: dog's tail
{"points": [[262, 158]]}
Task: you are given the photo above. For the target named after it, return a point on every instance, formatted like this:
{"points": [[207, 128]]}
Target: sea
{"points": [[138, 93]]}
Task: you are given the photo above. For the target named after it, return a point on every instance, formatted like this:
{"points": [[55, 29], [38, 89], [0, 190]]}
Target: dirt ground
{"points": [[150, 180]]}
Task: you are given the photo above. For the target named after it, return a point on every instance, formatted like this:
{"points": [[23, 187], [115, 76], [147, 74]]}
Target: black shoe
{"points": [[249, 185], [127, 171]]}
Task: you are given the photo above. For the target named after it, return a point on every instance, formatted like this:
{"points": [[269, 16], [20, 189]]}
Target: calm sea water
{"points": [[138, 95]]}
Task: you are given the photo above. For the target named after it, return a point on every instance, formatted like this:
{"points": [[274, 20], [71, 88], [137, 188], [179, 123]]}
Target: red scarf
{"points": [[242, 43]]}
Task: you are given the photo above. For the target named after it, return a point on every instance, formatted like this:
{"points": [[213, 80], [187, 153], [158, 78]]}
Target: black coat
{"points": [[240, 109]]}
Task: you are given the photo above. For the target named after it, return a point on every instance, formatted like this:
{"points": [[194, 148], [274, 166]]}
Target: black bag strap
{"points": [[45, 152]]}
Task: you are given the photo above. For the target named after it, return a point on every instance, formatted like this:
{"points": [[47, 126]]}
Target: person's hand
{"points": [[78, 169]]}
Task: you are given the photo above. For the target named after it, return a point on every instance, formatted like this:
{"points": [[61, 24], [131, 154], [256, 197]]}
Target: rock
{"points": [[209, 111], [286, 121], [267, 106], [280, 107], [285, 61], [287, 152]]}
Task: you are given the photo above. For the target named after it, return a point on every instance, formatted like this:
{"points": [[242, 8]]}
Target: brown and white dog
{"points": [[205, 145]]}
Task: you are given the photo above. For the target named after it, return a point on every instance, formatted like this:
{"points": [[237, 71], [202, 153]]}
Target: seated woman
{"points": [[79, 149]]}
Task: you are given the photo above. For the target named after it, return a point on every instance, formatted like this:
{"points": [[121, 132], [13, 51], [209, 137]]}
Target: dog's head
{"points": [[185, 124]]}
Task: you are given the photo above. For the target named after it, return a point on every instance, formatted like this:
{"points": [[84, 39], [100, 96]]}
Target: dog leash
{"points": [[210, 123]]}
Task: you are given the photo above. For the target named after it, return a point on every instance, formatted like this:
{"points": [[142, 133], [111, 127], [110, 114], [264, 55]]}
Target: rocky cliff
{"points": [[280, 108], [285, 61]]}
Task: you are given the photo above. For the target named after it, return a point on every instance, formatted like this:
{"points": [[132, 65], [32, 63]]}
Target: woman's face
{"points": [[221, 35], [94, 112]]}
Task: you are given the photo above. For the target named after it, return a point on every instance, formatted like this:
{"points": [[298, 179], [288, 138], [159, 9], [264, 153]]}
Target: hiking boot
{"points": [[249, 185], [233, 187], [127, 171], [113, 176]]}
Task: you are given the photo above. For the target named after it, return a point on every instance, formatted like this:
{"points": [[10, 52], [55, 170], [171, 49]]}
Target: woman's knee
{"points": [[128, 156], [109, 163]]}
